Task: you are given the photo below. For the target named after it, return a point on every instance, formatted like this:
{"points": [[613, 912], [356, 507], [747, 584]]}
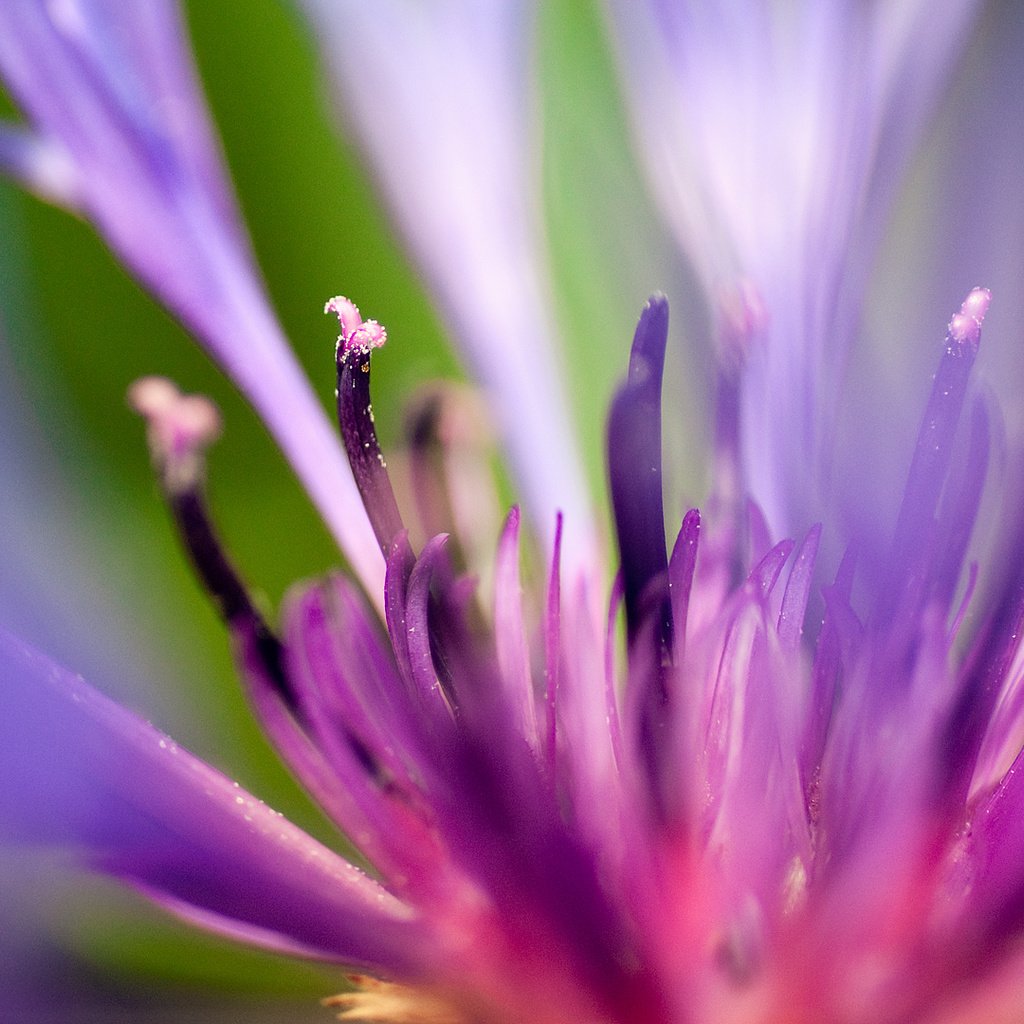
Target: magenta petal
{"points": [[93, 776]]}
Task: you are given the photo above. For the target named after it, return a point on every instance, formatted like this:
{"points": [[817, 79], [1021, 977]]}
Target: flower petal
{"points": [[438, 97], [84, 772], [122, 134], [774, 138]]}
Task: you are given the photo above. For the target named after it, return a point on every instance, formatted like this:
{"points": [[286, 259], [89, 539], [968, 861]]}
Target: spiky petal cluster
{"points": [[759, 825]]}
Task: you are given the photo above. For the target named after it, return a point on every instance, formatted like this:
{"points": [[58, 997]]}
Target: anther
{"points": [[357, 340], [179, 430], [965, 327], [357, 334]]}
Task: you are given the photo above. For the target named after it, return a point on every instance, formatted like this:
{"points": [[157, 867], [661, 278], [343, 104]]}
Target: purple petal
{"points": [[681, 568], [960, 505], [987, 883], [552, 647], [110, 87], [360, 719], [985, 674], [765, 574], [774, 139], [798, 590], [838, 634], [510, 633], [914, 538], [93, 776], [39, 165]]}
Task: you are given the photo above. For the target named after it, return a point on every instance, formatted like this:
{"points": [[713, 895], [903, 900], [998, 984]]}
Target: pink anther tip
{"points": [[357, 334], [179, 425], [976, 304], [347, 313], [965, 327]]}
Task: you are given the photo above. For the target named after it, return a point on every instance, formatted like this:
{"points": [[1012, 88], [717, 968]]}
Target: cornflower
{"points": [[789, 791]]}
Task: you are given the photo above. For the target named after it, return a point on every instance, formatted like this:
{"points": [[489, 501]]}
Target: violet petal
{"points": [[634, 472], [138, 806]]}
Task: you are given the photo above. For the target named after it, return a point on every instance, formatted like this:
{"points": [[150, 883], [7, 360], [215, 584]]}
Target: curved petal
{"points": [[82, 771], [438, 96], [124, 139]]}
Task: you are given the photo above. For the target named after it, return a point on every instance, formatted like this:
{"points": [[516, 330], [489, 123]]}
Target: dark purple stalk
{"points": [[355, 420]]}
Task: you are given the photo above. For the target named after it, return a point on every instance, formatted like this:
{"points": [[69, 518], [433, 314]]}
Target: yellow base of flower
{"points": [[383, 1002]]}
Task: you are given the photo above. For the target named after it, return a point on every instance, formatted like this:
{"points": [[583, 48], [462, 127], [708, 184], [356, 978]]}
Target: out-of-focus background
{"points": [[92, 569]]}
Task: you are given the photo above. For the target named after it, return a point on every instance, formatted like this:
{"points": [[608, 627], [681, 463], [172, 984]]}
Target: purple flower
{"points": [[789, 791]]}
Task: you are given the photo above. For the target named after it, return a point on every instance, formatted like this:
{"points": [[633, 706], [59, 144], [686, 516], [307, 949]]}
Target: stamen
{"points": [[357, 335], [965, 327], [681, 569], [929, 468], [357, 340], [180, 428], [634, 470]]}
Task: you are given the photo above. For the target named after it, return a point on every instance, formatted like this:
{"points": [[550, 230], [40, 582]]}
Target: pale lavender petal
{"points": [[798, 589], [438, 96], [97, 778], [39, 164], [122, 134], [774, 138]]}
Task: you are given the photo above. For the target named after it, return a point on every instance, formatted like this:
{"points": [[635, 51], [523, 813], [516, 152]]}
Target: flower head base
{"points": [[382, 1002]]}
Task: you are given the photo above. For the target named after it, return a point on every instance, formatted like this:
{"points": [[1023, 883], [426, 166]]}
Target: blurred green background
{"points": [[80, 331]]}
